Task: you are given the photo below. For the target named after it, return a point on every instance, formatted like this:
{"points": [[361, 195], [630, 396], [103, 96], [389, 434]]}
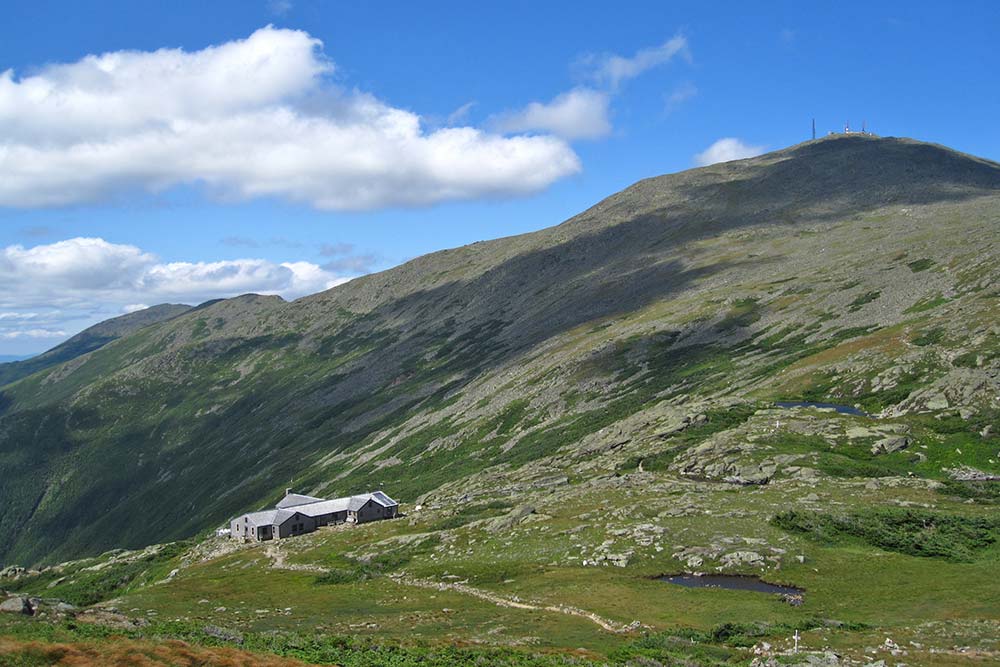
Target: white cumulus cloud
{"points": [[724, 150], [65, 286], [80, 263], [256, 117], [581, 113], [93, 266]]}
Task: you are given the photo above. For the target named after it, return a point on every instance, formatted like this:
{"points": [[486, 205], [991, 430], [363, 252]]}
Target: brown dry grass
{"points": [[890, 342], [131, 653]]}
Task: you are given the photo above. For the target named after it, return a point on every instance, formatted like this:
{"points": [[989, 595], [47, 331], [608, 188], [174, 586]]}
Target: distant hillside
{"points": [[849, 269], [86, 341]]}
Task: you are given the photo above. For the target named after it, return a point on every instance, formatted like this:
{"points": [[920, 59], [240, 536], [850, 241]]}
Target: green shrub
{"points": [[967, 360], [913, 532], [980, 491], [926, 304], [865, 298], [920, 264], [929, 337]]}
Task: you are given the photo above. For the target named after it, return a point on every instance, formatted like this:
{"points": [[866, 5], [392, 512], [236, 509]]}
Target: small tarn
{"points": [[842, 409], [732, 582]]}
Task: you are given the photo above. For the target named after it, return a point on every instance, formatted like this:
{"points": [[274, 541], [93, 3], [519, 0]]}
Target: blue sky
{"points": [[192, 166]]}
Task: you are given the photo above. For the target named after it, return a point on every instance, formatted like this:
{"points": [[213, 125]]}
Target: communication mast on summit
{"points": [[847, 129]]}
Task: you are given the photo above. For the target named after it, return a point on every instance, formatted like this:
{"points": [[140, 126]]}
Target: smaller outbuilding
{"points": [[297, 514]]}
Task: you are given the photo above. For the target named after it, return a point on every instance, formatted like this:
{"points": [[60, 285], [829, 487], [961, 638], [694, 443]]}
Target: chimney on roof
{"points": [[288, 492]]}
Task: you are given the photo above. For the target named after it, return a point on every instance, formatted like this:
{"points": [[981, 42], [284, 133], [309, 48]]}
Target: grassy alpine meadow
{"points": [[419, 586]]}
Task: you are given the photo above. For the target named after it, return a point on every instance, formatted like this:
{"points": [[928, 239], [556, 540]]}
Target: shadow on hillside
{"points": [[431, 343], [529, 299], [838, 179], [626, 267]]}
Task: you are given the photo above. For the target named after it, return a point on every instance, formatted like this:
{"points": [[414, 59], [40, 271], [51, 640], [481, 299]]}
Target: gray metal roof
{"points": [[269, 517], [382, 499], [357, 502], [294, 499], [352, 503], [324, 507]]}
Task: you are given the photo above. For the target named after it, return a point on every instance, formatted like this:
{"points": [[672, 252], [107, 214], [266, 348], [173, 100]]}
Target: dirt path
{"points": [[515, 603], [279, 562]]}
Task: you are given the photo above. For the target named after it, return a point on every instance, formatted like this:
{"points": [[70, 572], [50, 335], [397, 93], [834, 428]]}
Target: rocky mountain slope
{"points": [[649, 333]]}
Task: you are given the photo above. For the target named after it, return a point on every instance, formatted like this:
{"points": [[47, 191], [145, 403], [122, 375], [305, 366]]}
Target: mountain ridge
{"points": [[698, 288]]}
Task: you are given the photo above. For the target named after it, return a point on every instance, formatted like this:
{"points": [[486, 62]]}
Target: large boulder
{"points": [[16, 605], [751, 475], [62, 607], [893, 443]]}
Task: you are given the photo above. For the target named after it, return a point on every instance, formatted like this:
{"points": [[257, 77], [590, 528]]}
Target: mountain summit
{"points": [[854, 269]]}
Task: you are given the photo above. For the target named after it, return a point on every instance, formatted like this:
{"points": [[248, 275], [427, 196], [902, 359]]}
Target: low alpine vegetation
{"points": [[913, 532]]}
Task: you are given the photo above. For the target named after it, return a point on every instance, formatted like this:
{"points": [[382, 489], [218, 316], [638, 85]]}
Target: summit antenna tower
{"points": [[814, 128]]}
